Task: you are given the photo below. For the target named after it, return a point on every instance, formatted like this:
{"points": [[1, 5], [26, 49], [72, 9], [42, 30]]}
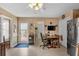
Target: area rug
{"points": [[22, 45]]}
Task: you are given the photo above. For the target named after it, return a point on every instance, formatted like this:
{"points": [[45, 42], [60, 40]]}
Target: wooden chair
{"points": [[44, 41], [60, 37], [56, 42]]}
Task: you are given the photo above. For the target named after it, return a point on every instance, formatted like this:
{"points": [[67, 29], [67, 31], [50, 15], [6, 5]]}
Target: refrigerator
{"points": [[72, 36]]}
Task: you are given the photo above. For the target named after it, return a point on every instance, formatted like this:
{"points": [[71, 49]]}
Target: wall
{"points": [[72, 13], [63, 31], [69, 14], [38, 21], [63, 27], [40, 29], [54, 22], [13, 21]]}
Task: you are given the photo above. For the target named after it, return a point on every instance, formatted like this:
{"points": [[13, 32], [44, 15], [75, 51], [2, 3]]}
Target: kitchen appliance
{"points": [[72, 36], [51, 28]]}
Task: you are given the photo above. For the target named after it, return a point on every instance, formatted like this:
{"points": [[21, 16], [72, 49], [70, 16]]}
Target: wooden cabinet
{"points": [[2, 49], [7, 44]]}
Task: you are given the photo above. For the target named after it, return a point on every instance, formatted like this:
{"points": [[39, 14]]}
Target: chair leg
{"points": [[58, 44], [41, 45], [44, 46]]}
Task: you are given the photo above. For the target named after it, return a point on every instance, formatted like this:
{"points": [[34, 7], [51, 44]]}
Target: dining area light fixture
{"points": [[36, 6]]}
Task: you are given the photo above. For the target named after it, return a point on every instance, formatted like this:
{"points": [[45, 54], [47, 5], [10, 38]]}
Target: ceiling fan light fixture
{"points": [[36, 6]]}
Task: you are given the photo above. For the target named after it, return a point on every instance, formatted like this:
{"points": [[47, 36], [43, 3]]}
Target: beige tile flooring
{"points": [[37, 51]]}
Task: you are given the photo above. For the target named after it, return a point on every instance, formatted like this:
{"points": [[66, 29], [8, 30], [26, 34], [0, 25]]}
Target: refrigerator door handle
{"points": [[75, 45]]}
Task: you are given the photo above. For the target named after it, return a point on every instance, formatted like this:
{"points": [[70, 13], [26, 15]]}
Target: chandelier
{"points": [[36, 6]]}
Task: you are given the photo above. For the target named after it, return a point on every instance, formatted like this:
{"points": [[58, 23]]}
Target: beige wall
{"points": [[13, 21], [46, 21], [69, 14], [72, 14], [54, 22]]}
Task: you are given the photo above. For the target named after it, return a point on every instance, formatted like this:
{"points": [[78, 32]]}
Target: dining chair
{"points": [[56, 42], [44, 41]]}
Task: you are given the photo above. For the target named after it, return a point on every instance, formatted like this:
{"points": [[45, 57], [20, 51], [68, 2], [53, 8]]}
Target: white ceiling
{"points": [[48, 10]]}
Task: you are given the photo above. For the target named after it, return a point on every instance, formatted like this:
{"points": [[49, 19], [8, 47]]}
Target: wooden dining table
{"points": [[54, 40], [51, 37]]}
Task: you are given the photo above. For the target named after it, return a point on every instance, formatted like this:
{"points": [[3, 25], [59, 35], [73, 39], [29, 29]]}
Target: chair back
{"points": [[43, 40], [41, 36]]}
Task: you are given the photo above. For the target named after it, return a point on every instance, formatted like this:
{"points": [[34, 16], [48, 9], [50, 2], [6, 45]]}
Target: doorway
{"points": [[24, 32], [23, 40]]}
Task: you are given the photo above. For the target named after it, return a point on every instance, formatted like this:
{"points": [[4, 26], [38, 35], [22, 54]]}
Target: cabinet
{"points": [[7, 44], [2, 49], [31, 39]]}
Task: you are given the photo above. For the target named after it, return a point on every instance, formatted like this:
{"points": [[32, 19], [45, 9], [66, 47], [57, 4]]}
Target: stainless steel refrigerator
{"points": [[72, 36]]}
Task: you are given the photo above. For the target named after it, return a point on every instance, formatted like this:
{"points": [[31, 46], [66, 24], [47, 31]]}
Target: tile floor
{"points": [[37, 51]]}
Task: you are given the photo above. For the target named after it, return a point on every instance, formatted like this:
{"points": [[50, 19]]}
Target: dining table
{"points": [[53, 41]]}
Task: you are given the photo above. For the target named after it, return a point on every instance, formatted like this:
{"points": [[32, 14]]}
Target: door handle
{"points": [[75, 45]]}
